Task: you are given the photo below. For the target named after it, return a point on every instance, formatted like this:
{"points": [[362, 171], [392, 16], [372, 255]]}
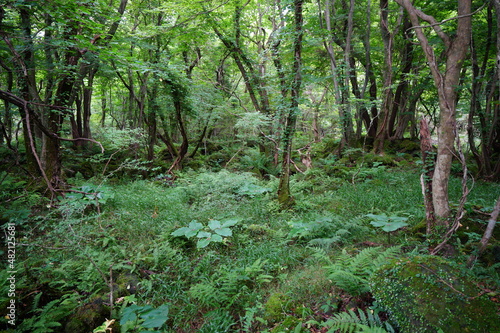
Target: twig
{"points": [[111, 296], [98, 269], [83, 139], [33, 150], [44, 247], [296, 167], [487, 234], [232, 157], [449, 19]]}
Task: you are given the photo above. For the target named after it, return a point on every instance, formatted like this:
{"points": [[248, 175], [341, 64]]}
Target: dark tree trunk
{"points": [[284, 196]]}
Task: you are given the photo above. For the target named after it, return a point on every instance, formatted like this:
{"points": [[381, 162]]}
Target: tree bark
{"points": [[284, 196], [427, 175], [386, 109], [340, 87], [446, 84]]}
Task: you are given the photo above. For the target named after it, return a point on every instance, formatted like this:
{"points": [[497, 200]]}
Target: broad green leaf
{"points": [[214, 224], [180, 232], [389, 226], [204, 234], [225, 232], [202, 243], [129, 314], [229, 223], [189, 231], [156, 317], [194, 227], [216, 238], [381, 217]]}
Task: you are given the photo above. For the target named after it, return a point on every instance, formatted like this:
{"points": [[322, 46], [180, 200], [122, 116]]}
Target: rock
{"points": [[431, 294]]}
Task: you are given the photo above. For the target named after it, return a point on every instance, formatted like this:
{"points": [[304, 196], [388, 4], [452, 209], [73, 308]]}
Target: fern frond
{"points": [[320, 254], [389, 253], [352, 273], [352, 283], [350, 322]]}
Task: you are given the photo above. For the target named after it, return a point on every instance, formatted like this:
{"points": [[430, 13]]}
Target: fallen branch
{"points": [[487, 234]]}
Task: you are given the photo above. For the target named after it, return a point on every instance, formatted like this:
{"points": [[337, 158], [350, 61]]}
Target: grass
{"points": [[226, 286]]}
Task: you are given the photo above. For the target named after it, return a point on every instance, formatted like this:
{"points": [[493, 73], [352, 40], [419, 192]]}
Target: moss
{"points": [[407, 146], [428, 293], [125, 284], [88, 316], [371, 159], [287, 325], [276, 307]]}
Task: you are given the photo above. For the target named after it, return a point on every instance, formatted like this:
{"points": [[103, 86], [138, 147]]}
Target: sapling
{"points": [[388, 223]]}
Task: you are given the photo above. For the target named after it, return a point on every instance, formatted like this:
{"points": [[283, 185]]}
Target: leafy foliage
{"points": [[126, 230], [49, 317], [360, 322], [226, 287], [323, 231], [353, 273], [387, 223], [215, 231], [135, 318]]}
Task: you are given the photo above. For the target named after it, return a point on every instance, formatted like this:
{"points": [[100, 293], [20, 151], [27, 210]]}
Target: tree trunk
{"points": [[346, 117], [386, 108], [426, 177], [400, 117], [446, 84], [284, 196], [338, 84]]}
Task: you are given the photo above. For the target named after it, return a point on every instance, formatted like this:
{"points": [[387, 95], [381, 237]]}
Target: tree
{"points": [[446, 81], [284, 195], [48, 72], [483, 123], [340, 86]]}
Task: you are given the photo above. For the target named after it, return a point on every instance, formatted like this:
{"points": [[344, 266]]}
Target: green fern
{"points": [[350, 322], [352, 273]]}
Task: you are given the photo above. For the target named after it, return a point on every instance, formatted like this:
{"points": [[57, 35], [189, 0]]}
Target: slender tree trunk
{"points": [[494, 133], [27, 84], [386, 108], [399, 119], [426, 177], [339, 86], [346, 117], [183, 149], [446, 84], [284, 196]]}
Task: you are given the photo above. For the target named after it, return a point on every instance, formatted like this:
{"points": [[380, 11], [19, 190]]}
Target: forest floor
{"points": [[213, 251]]}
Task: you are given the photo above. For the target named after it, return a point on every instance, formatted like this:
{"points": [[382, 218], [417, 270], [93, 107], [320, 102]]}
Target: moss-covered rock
{"points": [[370, 159], [428, 294], [88, 316], [276, 307]]}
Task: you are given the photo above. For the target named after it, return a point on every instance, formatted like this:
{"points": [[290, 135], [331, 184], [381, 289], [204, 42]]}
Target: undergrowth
{"points": [[271, 270]]}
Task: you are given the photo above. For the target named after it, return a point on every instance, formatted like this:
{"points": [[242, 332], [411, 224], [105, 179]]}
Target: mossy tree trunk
{"points": [[387, 93], [284, 196]]}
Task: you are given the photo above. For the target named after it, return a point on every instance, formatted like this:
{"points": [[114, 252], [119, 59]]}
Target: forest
{"points": [[250, 166]]}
